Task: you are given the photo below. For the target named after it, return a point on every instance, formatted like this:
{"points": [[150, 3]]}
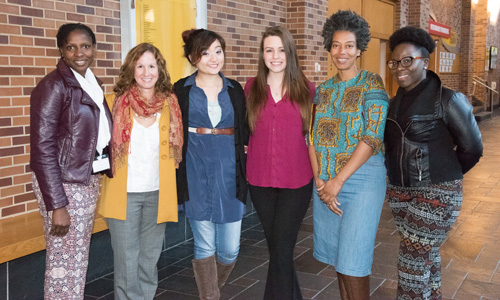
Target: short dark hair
{"points": [[196, 41], [346, 20], [66, 29], [415, 36]]}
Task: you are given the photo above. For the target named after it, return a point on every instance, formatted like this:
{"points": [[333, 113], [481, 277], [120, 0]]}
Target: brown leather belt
{"points": [[214, 131]]}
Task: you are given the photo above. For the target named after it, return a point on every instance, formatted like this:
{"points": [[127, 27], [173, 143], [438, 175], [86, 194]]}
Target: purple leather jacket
{"points": [[64, 127]]}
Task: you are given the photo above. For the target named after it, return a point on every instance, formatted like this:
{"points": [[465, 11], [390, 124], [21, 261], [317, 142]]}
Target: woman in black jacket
{"points": [[431, 140], [212, 173]]}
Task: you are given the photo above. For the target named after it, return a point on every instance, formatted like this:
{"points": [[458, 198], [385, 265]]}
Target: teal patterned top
{"points": [[347, 112]]}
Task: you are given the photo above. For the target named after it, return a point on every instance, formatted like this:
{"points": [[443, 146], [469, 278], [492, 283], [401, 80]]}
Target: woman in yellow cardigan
{"points": [[146, 149]]}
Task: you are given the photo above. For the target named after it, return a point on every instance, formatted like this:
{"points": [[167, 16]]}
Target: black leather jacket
{"points": [[437, 141], [63, 137]]}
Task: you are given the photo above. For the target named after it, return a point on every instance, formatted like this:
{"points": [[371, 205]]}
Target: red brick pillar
{"points": [[479, 50], [418, 13], [467, 49], [305, 21], [402, 9]]}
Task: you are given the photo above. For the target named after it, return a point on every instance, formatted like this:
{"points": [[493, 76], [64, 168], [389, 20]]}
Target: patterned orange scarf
{"points": [[122, 123]]}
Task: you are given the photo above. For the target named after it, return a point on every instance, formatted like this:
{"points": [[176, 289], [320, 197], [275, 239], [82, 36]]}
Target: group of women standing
{"points": [[162, 145]]}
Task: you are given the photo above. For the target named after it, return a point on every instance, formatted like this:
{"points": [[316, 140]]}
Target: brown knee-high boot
{"points": [[354, 288], [223, 272], [205, 273]]}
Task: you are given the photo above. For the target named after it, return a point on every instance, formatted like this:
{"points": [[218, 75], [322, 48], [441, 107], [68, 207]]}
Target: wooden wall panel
{"points": [[380, 16], [335, 5], [370, 59]]}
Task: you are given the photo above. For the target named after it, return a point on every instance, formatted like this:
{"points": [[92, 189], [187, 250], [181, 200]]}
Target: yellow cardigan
{"points": [[113, 198]]}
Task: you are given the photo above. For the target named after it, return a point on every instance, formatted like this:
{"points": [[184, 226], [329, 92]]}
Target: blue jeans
{"points": [[212, 238]]}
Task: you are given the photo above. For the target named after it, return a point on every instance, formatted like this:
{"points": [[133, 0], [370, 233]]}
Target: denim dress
{"points": [[210, 161]]}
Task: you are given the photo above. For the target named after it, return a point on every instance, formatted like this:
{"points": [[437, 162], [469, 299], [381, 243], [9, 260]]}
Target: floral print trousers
{"points": [[67, 257]]}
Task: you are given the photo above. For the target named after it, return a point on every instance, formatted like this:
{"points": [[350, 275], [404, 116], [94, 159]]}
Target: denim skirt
{"points": [[347, 242]]}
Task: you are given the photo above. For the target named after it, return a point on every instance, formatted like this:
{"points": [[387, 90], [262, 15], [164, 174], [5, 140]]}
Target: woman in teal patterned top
{"points": [[346, 151]]}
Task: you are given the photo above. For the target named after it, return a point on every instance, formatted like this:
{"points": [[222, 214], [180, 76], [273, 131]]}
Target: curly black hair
{"points": [[415, 36], [346, 20]]}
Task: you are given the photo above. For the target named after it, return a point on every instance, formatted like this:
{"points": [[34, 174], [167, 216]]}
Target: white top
{"points": [[93, 89], [144, 158], [214, 112]]}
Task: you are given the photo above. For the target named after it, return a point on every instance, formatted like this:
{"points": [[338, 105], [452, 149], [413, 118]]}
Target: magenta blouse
{"points": [[277, 151]]}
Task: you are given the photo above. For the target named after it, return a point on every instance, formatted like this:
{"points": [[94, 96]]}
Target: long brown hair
{"points": [[163, 85], [294, 82]]}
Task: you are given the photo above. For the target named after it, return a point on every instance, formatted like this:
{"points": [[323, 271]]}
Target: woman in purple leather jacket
{"points": [[70, 132]]}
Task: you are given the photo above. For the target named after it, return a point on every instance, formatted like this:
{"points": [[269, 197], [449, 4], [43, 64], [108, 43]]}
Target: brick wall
{"points": [[450, 80], [242, 22], [486, 35], [418, 13], [474, 31], [449, 12], [27, 53], [305, 20], [468, 20], [493, 39], [473, 38], [401, 14], [480, 38]]}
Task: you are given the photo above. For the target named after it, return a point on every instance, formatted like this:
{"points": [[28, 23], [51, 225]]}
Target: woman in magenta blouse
{"points": [[278, 167]]}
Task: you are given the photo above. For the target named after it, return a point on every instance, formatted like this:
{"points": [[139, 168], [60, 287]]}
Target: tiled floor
{"points": [[471, 256]]}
